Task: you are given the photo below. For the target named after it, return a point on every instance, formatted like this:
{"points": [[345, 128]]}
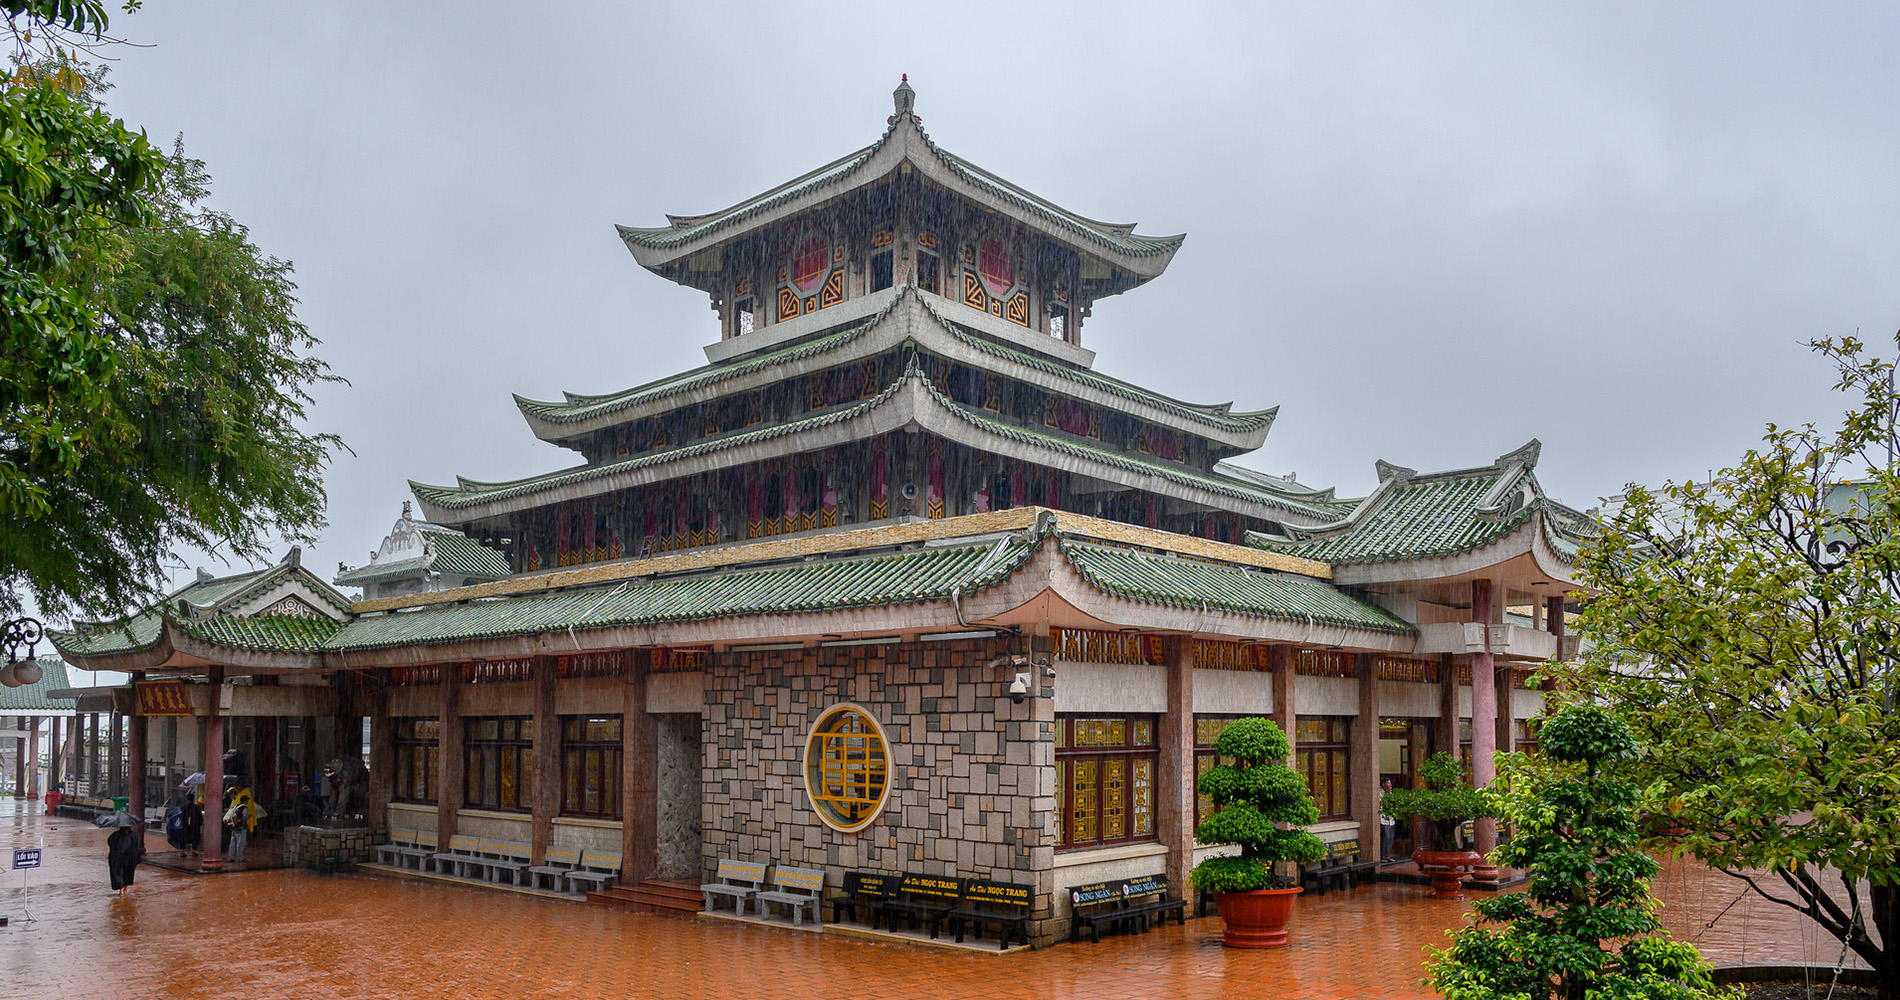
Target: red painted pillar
{"points": [[135, 753], [33, 758], [214, 775], [1280, 661], [1175, 808], [1484, 710]]}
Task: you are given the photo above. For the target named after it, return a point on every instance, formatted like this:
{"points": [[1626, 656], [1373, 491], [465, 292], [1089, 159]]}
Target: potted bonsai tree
{"points": [[1445, 803], [1253, 794]]}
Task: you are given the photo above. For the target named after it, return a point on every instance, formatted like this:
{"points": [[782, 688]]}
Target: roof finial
{"points": [[904, 99]]}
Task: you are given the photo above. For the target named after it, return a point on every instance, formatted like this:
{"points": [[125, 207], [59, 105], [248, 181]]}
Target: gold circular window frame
{"points": [[821, 803]]}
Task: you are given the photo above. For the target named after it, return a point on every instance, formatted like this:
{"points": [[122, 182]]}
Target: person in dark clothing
{"points": [[125, 848], [194, 825]]}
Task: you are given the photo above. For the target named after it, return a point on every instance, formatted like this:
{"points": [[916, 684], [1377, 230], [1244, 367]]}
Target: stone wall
{"points": [[680, 784], [972, 774], [325, 850]]}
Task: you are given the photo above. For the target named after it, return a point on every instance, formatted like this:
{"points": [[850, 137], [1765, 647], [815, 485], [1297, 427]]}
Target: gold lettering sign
{"points": [[163, 698]]}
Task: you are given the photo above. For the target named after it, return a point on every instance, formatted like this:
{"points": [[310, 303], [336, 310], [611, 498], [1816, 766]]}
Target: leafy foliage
{"points": [[1578, 831], [1748, 627], [154, 374], [1262, 805], [1447, 800]]}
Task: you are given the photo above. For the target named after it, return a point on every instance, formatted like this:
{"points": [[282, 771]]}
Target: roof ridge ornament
{"points": [[1398, 473], [904, 100]]}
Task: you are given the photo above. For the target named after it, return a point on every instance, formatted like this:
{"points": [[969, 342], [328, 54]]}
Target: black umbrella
{"points": [[116, 818]]}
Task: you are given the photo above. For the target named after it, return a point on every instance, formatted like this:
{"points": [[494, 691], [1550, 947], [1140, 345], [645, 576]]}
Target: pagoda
{"points": [[896, 585], [901, 337]]}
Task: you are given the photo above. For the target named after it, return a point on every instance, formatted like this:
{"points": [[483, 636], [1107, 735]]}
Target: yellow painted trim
{"points": [[818, 801], [1014, 519]]}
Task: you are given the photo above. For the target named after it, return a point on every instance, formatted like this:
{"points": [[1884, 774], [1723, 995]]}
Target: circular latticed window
{"points": [[846, 768]]}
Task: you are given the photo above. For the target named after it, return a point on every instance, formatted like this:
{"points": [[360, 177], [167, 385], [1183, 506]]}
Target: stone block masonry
{"points": [[971, 772], [326, 850]]}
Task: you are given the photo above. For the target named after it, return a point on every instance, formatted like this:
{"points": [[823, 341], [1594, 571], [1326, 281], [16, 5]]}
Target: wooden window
{"points": [[590, 766], [500, 755], [929, 272], [847, 768], [1207, 729], [418, 743], [881, 275], [1323, 750], [1106, 768]]}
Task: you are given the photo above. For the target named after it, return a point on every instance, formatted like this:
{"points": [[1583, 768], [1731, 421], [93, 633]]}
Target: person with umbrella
{"points": [[193, 813], [240, 816], [125, 848]]}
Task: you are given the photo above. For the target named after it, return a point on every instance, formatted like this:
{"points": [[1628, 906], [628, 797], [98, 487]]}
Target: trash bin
{"points": [[119, 802], [52, 802]]}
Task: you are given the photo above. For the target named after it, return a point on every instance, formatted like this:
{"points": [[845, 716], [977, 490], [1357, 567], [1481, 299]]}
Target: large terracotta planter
{"points": [[1256, 919], [1447, 869]]}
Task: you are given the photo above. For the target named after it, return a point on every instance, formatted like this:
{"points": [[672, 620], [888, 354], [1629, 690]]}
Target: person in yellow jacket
{"points": [[240, 816]]}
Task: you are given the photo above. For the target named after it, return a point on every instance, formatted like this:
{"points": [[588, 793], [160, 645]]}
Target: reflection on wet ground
{"points": [[291, 933]]}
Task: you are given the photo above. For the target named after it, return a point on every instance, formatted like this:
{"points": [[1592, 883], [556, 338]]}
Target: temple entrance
{"points": [[1404, 745]]}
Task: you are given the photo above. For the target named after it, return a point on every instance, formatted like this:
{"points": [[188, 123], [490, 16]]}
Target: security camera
{"points": [[1019, 688]]}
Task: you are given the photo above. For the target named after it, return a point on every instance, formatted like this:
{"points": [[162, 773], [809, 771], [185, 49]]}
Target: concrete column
{"points": [[1280, 661], [214, 774], [115, 755], [639, 776], [19, 767], [1484, 710], [451, 782], [1554, 620], [1174, 782], [135, 753], [544, 796], [1365, 754], [382, 761], [33, 758], [55, 753]]}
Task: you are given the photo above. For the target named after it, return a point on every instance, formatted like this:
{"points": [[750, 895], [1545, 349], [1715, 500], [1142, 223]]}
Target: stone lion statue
{"points": [[349, 787]]}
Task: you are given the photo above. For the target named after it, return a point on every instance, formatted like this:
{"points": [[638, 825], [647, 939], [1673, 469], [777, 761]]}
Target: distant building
{"points": [[418, 557], [777, 610]]}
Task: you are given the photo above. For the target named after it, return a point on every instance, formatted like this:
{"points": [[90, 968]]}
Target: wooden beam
{"points": [[639, 776], [1364, 768], [451, 759], [1174, 785], [545, 794], [382, 761]]}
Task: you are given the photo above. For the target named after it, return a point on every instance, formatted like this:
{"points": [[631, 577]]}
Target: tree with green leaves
{"points": [[1748, 627], [1446, 801], [1263, 806], [153, 373], [1586, 927]]}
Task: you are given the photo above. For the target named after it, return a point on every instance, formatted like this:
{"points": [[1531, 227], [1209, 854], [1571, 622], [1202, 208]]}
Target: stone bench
{"points": [[598, 869], [740, 880], [797, 889]]}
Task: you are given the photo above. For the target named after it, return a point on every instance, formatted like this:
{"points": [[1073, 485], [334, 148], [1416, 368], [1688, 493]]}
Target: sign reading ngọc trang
{"points": [[163, 698], [996, 892], [1094, 892], [932, 885]]}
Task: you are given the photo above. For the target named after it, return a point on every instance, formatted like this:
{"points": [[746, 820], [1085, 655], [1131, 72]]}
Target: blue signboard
{"points": [[26, 859]]}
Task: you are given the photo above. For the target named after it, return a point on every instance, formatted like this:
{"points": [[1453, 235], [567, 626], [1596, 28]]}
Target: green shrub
{"points": [[1447, 800], [1257, 796]]}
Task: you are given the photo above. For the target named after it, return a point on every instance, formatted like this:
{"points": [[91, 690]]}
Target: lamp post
{"points": [[15, 634]]}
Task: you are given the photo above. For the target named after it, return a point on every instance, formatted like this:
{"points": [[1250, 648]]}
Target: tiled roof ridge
{"points": [[452, 496], [1232, 488], [1116, 237], [1213, 414], [1330, 604], [580, 407]]}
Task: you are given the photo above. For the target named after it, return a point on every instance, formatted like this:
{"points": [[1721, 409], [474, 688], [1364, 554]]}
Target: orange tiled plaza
{"points": [[292, 933]]}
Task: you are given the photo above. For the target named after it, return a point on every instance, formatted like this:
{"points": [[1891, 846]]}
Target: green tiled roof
{"points": [[1116, 237], [139, 631], [685, 229], [1171, 580], [32, 697], [457, 554], [904, 578], [1417, 520], [286, 633], [142, 629]]}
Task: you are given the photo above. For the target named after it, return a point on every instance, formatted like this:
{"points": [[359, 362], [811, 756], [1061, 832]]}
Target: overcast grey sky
{"points": [[1428, 233]]}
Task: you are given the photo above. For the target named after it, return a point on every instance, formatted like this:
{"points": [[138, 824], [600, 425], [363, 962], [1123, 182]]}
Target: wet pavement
{"points": [[289, 933]]}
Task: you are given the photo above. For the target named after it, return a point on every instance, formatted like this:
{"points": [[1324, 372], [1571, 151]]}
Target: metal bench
{"points": [[1096, 905], [1148, 896], [797, 889], [598, 869], [1005, 904], [924, 899], [560, 861], [739, 879], [866, 892]]}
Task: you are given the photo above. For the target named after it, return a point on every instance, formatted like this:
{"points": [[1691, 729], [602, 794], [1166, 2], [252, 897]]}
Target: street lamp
{"points": [[14, 634]]}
